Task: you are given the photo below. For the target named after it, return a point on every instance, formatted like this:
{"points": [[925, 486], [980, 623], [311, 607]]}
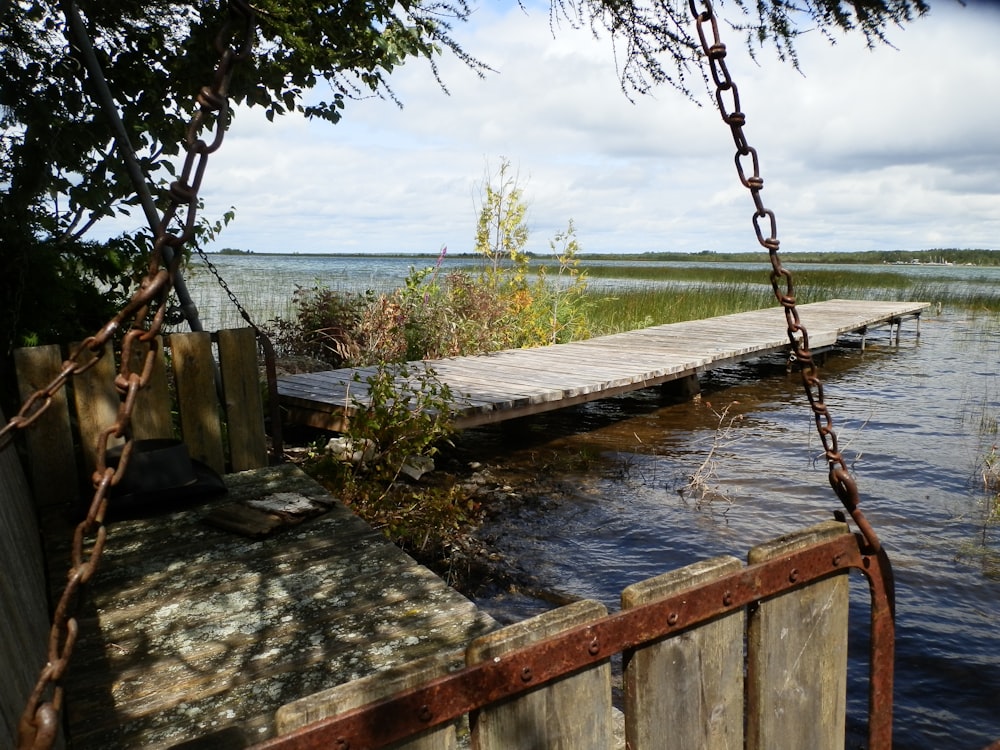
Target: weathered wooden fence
{"points": [[715, 655], [228, 436], [24, 609]]}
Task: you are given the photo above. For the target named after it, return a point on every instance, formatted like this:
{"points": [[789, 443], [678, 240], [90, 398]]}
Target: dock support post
{"points": [[683, 388]]}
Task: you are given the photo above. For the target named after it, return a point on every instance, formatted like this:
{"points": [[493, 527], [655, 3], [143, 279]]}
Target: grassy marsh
{"points": [[668, 294]]}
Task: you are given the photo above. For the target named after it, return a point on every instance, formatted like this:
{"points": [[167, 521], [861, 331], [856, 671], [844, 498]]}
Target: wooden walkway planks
{"points": [[518, 382]]}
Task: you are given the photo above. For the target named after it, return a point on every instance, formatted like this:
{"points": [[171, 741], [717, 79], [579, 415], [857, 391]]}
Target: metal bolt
{"points": [[526, 675], [341, 744], [594, 647], [794, 575], [727, 598], [836, 560], [425, 714], [672, 618]]}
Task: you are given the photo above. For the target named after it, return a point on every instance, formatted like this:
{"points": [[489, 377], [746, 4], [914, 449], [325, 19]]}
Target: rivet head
{"points": [[425, 714], [672, 618], [727, 598], [341, 744], [836, 560], [794, 575], [594, 647], [526, 674]]}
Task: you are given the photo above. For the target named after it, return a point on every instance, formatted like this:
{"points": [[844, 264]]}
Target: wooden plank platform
{"points": [[519, 382], [192, 633]]}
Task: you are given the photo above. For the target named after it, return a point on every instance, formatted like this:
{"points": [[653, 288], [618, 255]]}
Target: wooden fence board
{"points": [[569, 714], [151, 417], [797, 660], [51, 464], [244, 404], [686, 691], [96, 404], [345, 697], [196, 397], [24, 620]]}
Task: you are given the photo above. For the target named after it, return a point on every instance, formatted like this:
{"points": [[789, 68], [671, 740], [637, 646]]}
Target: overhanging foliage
{"points": [[60, 172]]}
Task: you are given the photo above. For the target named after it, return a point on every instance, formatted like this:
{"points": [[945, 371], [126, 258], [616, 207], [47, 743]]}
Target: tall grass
{"points": [[645, 306], [725, 275], [672, 295]]}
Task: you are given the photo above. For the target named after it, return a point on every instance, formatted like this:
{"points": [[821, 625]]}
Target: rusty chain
{"points": [[765, 225], [39, 723]]}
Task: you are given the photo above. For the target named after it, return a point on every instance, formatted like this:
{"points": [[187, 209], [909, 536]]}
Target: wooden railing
{"points": [[715, 655]]}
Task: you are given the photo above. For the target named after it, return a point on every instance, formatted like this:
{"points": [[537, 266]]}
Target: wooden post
{"points": [[686, 691], [797, 657], [196, 397], [568, 714], [681, 389]]}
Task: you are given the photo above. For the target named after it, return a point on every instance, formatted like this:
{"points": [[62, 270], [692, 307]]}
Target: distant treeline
{"points": [[958, 257]]}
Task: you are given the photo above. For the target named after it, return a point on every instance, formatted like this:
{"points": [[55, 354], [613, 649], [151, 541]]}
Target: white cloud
{"points": [[891, 149]]}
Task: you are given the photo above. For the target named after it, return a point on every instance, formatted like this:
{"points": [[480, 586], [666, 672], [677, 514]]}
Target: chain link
{"points": [[765, 226], [144, 314]]}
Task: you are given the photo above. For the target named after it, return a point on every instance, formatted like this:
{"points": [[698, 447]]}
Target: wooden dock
{"points": [[519, 382]]}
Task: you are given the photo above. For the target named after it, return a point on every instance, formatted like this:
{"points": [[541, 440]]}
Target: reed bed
{"points": [[670, 295], [643, 306], [730, 275], [265, 297]]}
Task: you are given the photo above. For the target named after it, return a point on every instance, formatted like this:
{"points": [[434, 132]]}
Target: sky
{"points": [[892, 149]]}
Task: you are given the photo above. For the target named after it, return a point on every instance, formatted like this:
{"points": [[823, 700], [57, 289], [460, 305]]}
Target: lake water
{"points": [[910, 418], [264, 284]]}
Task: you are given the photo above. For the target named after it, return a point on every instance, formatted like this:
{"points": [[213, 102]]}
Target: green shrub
{"points": [[326, 326], [407, 413]]}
